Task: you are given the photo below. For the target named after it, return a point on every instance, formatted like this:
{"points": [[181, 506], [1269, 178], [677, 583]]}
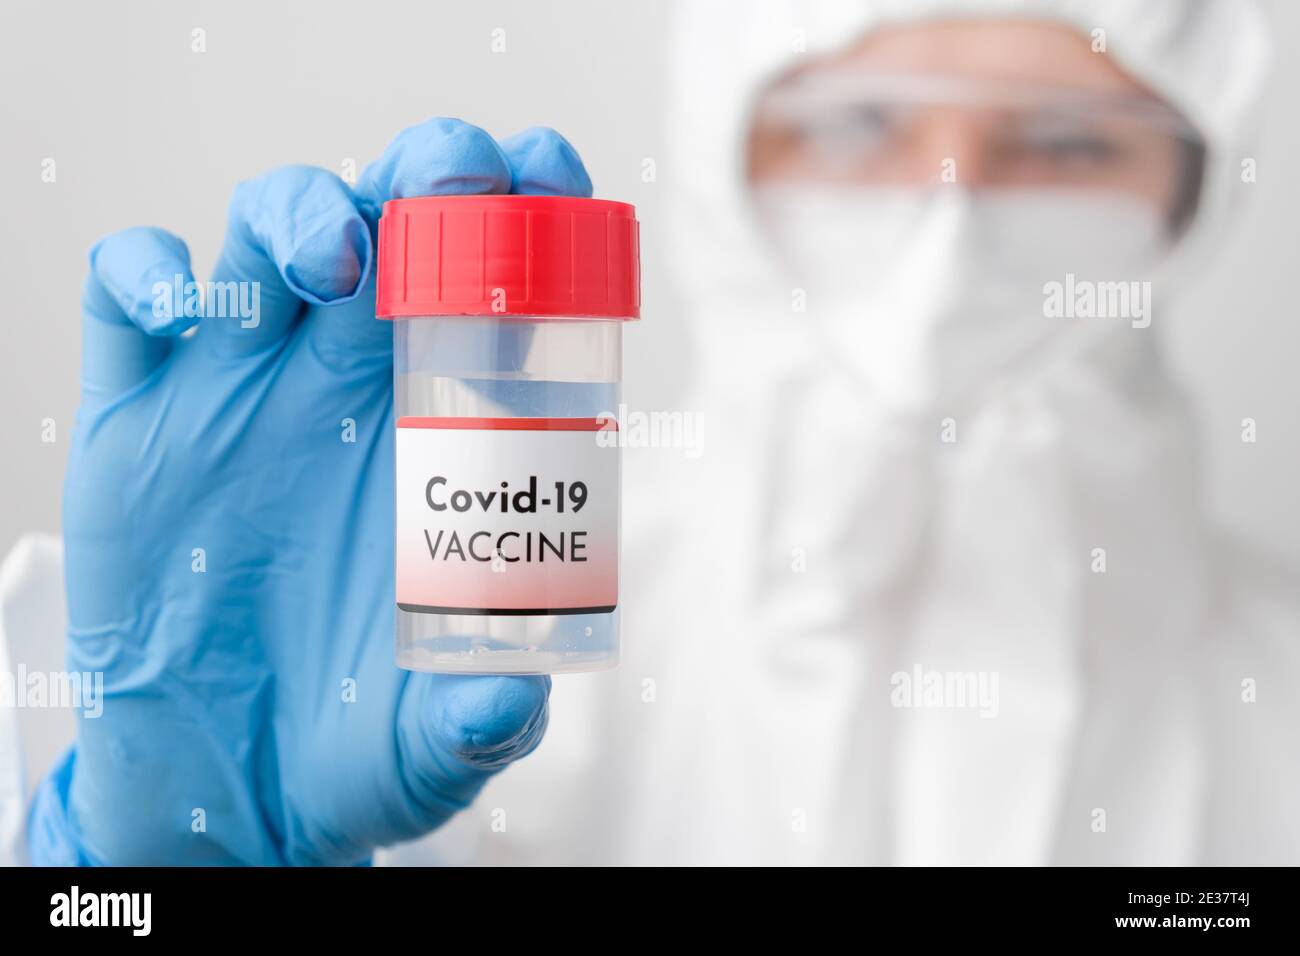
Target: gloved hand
{"points": [[229, 554]]}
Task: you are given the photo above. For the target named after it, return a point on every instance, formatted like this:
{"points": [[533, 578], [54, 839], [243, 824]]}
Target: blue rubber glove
{"points": [[229, 554]]}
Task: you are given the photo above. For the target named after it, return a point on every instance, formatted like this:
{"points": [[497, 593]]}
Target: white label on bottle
{"points": [[507, 515]]}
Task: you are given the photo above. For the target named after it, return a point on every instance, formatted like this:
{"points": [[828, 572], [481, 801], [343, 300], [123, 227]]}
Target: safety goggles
{"points": [[867, 128]]}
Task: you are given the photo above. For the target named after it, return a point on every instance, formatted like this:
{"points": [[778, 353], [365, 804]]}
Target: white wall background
{"points": [[144, 131]]}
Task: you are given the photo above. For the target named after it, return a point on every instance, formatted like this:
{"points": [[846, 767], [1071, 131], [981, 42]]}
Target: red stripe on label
{"points": [[512, 424]]}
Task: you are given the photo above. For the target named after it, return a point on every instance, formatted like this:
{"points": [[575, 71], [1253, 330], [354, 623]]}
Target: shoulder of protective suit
{"points": [[1262, 594], [1248, 712]]}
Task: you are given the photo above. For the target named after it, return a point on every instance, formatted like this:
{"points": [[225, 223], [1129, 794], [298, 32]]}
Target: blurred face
{"points": [[929, 187], [985, 104]]}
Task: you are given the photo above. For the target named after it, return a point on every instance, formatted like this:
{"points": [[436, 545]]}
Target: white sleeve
{"points": [[11, 763], [32, 627]]}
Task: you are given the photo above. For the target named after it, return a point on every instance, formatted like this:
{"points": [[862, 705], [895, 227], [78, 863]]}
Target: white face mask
{"points": [[930, 297]]}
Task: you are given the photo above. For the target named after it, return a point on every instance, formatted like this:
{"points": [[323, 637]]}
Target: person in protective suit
{"points": [[940, 589]]}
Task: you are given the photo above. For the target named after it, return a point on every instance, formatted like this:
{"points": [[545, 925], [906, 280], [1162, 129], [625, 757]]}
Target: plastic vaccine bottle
{"points": [[508, 328]]}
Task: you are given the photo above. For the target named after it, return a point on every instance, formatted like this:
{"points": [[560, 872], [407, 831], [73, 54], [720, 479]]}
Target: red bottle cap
{"points": [[508, 255]]}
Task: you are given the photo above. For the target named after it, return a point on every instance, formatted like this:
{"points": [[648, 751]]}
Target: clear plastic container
{"points": [[508, 319], [489, 370]]}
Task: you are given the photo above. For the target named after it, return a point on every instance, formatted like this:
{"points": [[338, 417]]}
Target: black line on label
{"points": [[505, 611]]}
